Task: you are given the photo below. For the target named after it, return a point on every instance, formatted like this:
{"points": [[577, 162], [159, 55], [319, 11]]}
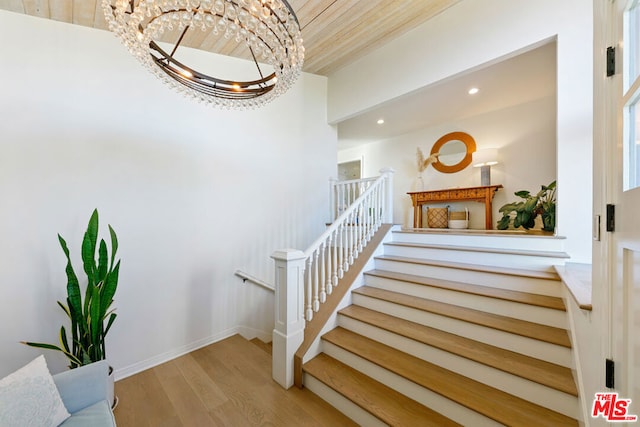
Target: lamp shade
{"points": [[485, 157]]}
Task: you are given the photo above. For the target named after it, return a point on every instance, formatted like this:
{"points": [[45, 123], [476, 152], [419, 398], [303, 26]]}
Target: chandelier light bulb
{"points": [[268, 28]]}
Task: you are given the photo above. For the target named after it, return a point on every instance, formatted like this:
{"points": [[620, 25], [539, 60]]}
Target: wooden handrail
{"points": [[244, 276]]}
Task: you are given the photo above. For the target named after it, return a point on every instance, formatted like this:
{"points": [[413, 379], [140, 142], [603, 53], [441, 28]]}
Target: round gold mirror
{"points": [[455, 151]]}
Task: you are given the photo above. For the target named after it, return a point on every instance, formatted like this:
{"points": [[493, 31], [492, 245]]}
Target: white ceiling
{"points": [[515, 80]]}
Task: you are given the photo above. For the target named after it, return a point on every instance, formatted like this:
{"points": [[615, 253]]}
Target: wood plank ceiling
{"points": [[335, 32]]}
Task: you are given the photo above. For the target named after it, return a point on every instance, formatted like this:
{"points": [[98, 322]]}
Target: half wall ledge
{"points": [[577, 278]]}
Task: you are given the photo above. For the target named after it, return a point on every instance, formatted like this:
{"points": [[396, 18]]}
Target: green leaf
{"points": [[63, 339], [530, 204], [110, 287], [503, 223], [103, 259], [89, 248], [517, 221], [95, 316], [64, 308], [510, 207], [523, 219], [523, 193], [70, 356], [549, 221], [114, 245], [74, 298], [112, 317], [549, 187]]}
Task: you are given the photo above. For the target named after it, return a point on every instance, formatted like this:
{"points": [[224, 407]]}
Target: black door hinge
{"points": [[609, 374], [611, 217], [611, 61]]}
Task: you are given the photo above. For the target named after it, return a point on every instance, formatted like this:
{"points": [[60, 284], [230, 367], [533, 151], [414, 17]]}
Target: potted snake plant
{"points": [[91, 318]]}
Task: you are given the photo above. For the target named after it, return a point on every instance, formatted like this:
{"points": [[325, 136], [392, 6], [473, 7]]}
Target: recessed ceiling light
{"points": [[473, 91], [380, 121]]}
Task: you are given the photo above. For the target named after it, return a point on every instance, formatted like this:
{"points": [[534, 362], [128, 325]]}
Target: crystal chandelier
{"points": [[268, 28]]}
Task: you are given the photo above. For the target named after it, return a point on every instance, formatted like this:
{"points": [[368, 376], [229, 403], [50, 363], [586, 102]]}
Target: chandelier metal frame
{"points": [[269, 29]]}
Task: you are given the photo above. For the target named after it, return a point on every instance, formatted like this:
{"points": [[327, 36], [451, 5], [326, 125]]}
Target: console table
{"points": [[477, 194]]}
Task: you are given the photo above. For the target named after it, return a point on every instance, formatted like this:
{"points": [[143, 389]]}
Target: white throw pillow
{"points": [[29, 397]]}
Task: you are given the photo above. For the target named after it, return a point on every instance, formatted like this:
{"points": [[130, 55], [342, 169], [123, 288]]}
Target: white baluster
{"points": [[351, 240], [352, 193], [356, 231], [321, 268], [329, 271], [371, 212], [309, 293], [347, 195], [341, 251], [379, 208], [316, 302], [367, 215], [336, 265]]}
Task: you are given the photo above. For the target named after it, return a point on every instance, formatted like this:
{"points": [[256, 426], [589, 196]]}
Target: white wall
{"points": [[524, 135], [193, 192], [472, 33]]}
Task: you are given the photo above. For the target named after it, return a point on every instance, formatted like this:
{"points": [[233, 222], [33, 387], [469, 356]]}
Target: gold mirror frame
{"points": [[466, 139]]}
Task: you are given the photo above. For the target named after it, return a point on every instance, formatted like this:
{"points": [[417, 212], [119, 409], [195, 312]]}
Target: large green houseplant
{"points": [[92, 318], [523, 213]]}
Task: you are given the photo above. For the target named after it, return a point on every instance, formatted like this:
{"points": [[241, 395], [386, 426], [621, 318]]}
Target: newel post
{"points": [[388, 214], [288, 333]]}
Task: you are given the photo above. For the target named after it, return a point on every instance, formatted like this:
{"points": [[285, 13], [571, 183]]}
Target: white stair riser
{"points": [[519, 242], [428, 398], [530, 262], [496, 280], [341, 403], [528, 390], [519, 344], [530, 313]]}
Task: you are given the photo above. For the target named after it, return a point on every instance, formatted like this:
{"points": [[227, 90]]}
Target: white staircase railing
{"points": [[344, 193], [304, 279]]}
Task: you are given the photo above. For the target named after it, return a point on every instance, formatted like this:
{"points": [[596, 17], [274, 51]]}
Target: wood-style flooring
{"points": [[224, 384]]}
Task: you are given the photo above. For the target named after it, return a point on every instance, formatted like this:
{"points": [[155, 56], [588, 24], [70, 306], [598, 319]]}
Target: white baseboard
{"points": [[143, 365], [251, 333]]}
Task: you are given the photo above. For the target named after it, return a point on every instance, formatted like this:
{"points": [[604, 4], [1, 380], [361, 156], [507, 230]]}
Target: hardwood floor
{"points": [[225, 384]]}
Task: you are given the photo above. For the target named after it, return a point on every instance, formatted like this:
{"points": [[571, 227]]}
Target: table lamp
{"points": [[484, 159]]}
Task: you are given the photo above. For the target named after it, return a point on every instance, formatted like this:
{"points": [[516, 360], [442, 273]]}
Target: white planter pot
{"points": [[111, 397]]}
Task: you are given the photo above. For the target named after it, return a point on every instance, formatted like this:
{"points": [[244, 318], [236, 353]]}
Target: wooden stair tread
{"points": [[545, 275], [545, 301], [488, 401], [536, 370], [266, 346], [527, 252], [383, 402], [537, 331]]}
